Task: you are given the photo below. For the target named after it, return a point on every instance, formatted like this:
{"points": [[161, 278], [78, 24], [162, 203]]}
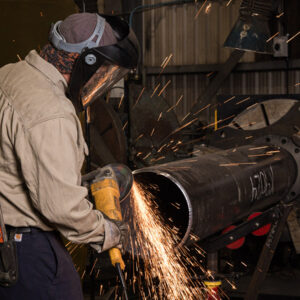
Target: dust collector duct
{"points": [[204, 194]]}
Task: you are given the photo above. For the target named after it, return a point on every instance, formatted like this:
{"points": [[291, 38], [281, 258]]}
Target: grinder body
{"points": [[106, 193]]}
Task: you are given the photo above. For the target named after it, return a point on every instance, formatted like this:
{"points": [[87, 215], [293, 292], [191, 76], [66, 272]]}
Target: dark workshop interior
{"points": [[209, 125]]}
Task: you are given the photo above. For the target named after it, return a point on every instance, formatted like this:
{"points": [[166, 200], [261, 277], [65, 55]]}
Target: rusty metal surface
{"points": [[108, 142]]}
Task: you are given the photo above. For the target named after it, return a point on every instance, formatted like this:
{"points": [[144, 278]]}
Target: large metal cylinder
{"points": [[202, 195]]}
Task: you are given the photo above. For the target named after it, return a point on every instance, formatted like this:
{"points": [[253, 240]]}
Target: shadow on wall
{"points": [[25, 25]]}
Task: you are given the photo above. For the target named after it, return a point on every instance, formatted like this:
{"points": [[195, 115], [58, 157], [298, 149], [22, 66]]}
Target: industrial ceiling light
{"points": [[251, 31]]}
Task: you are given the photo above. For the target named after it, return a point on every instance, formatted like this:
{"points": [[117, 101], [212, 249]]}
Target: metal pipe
{"points": [[203, 195], [157, 5]]}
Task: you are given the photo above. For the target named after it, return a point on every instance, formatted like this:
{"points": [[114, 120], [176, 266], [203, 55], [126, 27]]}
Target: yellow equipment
{"points": [[108, 186], [105, 190]]}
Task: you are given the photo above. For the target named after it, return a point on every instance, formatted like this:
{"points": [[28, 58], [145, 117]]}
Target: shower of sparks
{"points": [[157, 159], [244, 264], [229, 264], [262, 154], [280, 15], [100, 83], [185, 117], [155, 89], [228, 3], [258, 148], [220, 121], [139, 137], [73, 249], [145, 157], [121, 101], [93, 266], [194, 152], [209, 74], [233, 286], [295, 35], [183, 126], [139, 97], [67, 244], [229, 99], [164, 87], [165, 62], [125, 125], [252, 106], [83, 274], [273, 151], [178, 101], [159, 117], [237, 164], [162, 147], [244, 100], [200, 9], [272, 37], [203, 108], [152, 131], [165, 274], [208, 8], [101, 289]]}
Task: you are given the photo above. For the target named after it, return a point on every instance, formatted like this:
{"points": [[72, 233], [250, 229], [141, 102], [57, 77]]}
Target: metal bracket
{"points": [[242, 230], [267, 252]]}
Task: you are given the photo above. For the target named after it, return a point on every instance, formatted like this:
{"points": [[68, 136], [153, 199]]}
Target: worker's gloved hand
{"points": [[124, 234], [116, 235]]}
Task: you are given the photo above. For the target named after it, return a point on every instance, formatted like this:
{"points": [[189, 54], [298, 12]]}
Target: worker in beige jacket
{"points": [[42, 151]]}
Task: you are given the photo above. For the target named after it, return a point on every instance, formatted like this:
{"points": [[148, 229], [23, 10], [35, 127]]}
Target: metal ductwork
{"points": [[203, 195]]}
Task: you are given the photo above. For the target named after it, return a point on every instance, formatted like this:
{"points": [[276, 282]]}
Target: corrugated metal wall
{"points": [[191, 86], [175, 30], [191, 39]]}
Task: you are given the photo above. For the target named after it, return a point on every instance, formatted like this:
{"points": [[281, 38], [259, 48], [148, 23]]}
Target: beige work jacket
{"points": [[41, 154]]}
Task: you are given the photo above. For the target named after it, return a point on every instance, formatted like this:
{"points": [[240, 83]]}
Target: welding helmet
{"points": [[98, 68]]}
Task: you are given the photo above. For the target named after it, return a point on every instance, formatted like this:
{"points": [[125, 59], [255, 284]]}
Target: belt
{"points": [[19, 230]]}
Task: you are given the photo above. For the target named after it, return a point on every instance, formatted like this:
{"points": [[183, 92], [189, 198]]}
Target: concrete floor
{"points": [[284, 285]]}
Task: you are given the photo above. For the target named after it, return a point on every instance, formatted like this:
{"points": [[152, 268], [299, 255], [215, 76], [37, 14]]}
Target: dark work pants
{"points": [[46, 270]]}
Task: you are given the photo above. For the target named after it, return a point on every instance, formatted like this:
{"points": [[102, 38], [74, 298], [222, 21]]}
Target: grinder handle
{"points": [[106, 195]]}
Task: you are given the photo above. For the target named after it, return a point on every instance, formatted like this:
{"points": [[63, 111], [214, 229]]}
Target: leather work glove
{"points": [[124, 234], [116, 235]]}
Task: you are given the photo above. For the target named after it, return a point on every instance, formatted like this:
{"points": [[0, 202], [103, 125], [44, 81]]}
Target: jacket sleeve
{"points": [[50, 160]]}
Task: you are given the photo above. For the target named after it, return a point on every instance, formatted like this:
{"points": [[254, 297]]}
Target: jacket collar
{"points": [[47, 69]]}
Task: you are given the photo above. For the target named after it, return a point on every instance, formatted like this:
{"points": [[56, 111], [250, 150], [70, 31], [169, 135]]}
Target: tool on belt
{"points": [[8, 256], [109, 185]]}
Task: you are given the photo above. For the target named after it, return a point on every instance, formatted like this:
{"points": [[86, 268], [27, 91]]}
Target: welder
{"points": [[42, 150]]}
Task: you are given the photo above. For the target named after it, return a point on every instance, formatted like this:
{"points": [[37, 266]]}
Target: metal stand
{"points": [[267, 253], [277, 216], [212, 283]]}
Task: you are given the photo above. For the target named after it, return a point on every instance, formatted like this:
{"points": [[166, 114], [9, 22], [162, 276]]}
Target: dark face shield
{"points": [[97, 69], [102, 80]]}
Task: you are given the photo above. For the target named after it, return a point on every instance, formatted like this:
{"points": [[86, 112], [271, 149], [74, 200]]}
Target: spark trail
{"points": [[163, 261]]}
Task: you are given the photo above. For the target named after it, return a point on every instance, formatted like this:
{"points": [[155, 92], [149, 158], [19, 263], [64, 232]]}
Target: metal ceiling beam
{"points": [[272, 65]]}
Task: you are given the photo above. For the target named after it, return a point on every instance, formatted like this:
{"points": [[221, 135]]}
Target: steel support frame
{"points": [[277, 216], [272, 65]]}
